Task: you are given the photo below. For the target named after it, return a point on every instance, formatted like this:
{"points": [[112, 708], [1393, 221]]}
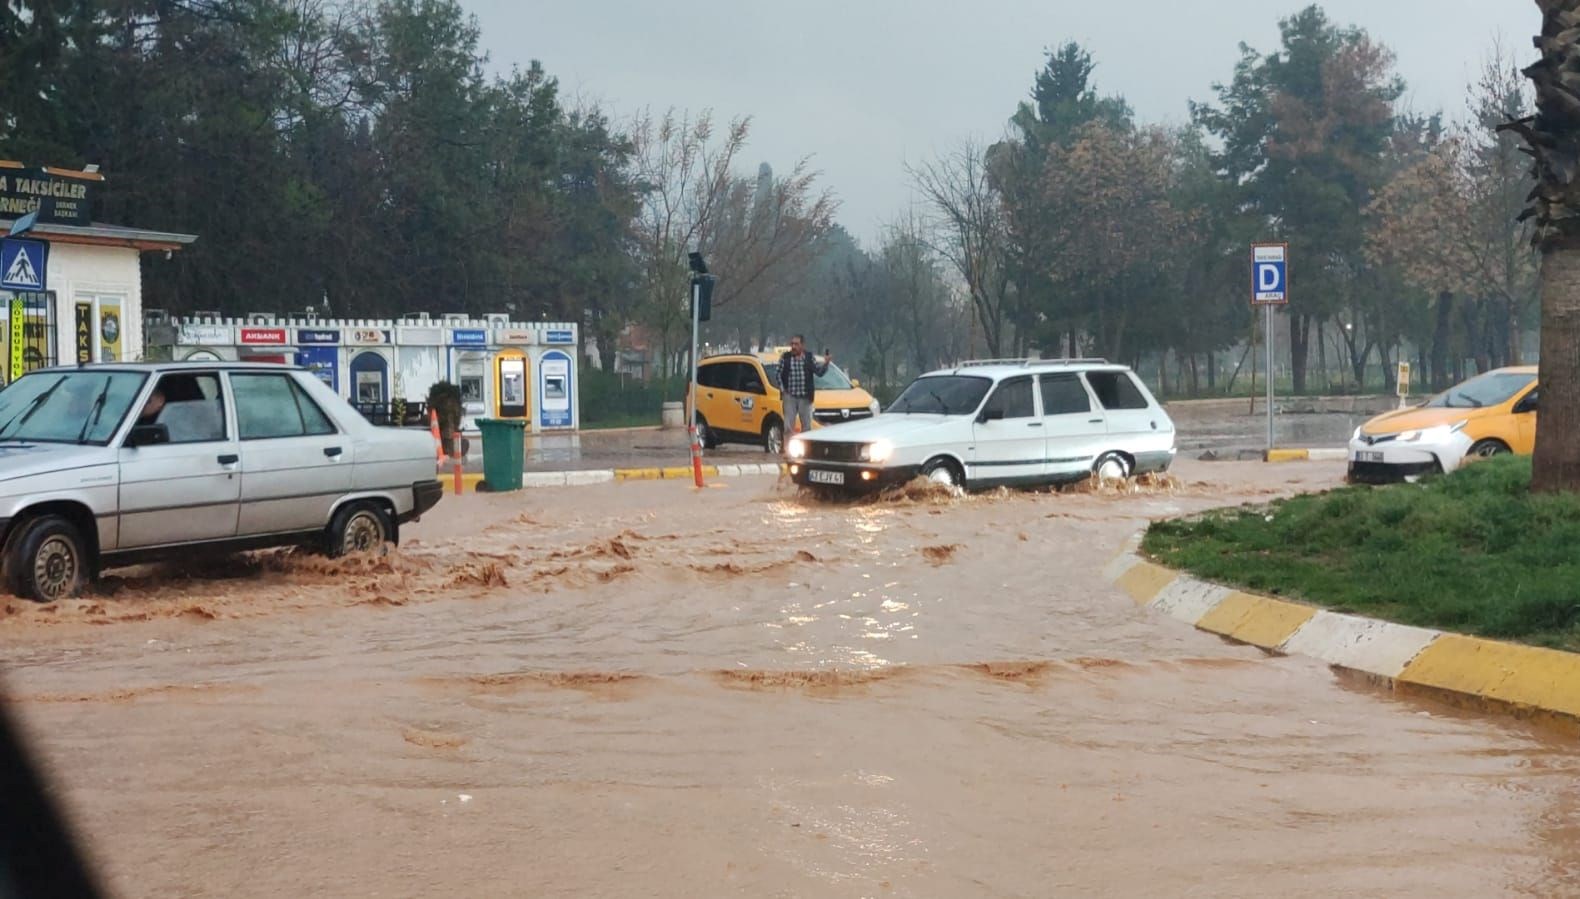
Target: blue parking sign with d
{"points": [[23, 264], [1269, 274]]}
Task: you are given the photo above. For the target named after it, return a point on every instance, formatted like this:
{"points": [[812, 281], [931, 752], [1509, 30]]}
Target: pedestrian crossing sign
{"points": [[23, 264]]}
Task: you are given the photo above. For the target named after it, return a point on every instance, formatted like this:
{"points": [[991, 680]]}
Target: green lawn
{"points": [[1474, 552]]}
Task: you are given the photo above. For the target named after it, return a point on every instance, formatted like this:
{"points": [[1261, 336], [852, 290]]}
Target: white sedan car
{"points": [[105, 465], [983, 424]]}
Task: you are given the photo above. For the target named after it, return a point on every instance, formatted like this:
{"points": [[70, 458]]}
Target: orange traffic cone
{"points": [[438, 442]]}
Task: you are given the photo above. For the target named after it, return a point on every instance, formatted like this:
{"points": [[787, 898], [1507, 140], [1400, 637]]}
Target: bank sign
{"points": [[58, 197]]}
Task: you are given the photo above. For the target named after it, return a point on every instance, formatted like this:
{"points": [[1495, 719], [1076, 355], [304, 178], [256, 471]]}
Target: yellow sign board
{"points": [[18, 336], [1404, 379]]}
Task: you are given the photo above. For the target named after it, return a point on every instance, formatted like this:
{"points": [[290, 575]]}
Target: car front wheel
{"points": [[774, 437], [943, 472], [46, 560], [1488, 448], [360, 528]]}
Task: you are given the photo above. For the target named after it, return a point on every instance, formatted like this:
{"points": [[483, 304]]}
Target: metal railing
{"points": [[383, 414]]}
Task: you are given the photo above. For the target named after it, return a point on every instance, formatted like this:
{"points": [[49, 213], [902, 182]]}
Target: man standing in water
{"points": [[798, 373]]}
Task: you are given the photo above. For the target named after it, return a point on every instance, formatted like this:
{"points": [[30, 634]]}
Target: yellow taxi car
{"points": [[1489, 415], [740, 403]]}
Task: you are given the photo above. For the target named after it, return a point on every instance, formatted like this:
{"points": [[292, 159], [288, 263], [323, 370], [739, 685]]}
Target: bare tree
{"points": [[762, 240], [683, 174], [971, 231]]}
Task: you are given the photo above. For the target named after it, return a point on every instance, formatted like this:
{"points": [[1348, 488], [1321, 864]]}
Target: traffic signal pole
{"points": [[696, 439]]}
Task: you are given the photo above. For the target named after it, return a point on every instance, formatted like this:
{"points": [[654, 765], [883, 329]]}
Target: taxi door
{"points": [[1524, 430], [752, 397]]}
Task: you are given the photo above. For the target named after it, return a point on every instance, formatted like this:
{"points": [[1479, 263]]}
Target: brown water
{"points": [[643, 690]]}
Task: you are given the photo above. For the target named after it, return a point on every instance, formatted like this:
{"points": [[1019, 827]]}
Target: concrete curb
{"points": [[539, 479], [1526, 680], [1305, 455]]}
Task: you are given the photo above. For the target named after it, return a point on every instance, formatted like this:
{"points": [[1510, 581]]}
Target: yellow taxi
{"points": [[1489, 415], [740, 403]]}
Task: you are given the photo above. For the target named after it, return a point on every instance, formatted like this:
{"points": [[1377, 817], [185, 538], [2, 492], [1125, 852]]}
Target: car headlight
{"points": [[877, 451], [873, 408], [797, 448], [1433, 435], [1357, 434]]}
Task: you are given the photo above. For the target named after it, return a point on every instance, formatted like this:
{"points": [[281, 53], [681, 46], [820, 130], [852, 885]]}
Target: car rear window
{"points": [[271, 407], [1116, 390]]}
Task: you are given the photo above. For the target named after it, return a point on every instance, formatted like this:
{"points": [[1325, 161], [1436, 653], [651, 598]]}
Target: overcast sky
{"points": [[864, 87]]}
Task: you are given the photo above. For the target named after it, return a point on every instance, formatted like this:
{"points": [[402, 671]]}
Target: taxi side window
{"points": [[708, 375], [750, 379]]}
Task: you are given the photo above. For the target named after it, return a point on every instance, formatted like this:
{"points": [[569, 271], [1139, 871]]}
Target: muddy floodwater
{"points": [[643, 690]]}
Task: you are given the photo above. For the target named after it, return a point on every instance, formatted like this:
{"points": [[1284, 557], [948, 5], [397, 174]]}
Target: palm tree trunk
{"points": [[1557, 461]]}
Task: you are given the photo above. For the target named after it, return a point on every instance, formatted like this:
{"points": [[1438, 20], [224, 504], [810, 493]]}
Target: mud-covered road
{"points": [[642, 690]]}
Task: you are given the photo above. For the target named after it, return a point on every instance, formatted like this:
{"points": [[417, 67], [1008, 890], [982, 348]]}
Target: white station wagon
{"points": [[106, 465], [997, 422]]}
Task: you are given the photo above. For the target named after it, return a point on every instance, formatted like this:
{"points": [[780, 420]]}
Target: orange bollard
{"points": [[438, 442], [457, 449], [696, 457]]}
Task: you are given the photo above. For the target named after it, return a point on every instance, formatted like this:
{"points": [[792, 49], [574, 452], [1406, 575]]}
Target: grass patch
{"points": [[1475, 552]]}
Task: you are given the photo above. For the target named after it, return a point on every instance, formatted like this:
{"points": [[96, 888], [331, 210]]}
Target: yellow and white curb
{"points": [[1523, 679], [1306, 455], [589, 478]]}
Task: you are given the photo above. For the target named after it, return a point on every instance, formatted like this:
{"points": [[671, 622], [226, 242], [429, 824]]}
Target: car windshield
{"points": [[1491, 389], [942, 395], [67, 406], [833, 379]]}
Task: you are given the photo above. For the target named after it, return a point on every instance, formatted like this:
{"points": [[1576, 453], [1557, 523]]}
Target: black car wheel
{"points": [[360, 528], [46, 560]]}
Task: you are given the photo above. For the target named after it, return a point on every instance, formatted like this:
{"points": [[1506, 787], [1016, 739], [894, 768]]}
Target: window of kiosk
{"points": [[472, 388], [370, 387], [513, 387]]}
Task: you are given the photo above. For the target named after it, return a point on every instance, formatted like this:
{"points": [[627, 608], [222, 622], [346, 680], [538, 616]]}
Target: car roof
{"points": [[1003, 368], [147, 367]]}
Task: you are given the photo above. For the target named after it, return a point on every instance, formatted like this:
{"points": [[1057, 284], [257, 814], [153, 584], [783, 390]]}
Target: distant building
{"points": [[88, 305]]}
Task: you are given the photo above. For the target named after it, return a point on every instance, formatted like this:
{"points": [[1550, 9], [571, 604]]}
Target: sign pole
{"points": [[1268, 314], [696, 440], [1269, 288]]}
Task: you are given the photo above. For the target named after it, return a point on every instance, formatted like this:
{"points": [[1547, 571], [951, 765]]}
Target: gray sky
{"points": [[866, 86]]}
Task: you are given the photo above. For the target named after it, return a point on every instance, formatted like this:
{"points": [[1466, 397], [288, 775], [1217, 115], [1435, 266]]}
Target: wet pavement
{"points": [[644, 689]]}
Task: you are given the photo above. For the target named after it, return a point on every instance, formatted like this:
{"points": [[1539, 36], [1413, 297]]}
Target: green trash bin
{"points": [[504, 453]]}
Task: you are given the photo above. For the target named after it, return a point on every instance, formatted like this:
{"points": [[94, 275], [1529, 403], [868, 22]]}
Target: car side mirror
{"points": [[148, 435], [988, 415]]}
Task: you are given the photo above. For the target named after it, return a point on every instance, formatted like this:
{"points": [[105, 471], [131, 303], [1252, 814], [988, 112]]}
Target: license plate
{"points": [[1362, 456], [825, 477]]}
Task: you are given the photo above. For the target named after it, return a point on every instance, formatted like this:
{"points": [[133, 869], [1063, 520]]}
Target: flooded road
{"points": [[639, 689]]}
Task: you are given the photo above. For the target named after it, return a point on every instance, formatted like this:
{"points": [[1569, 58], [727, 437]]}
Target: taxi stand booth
{"points": [[507, 370], [70, 287]]}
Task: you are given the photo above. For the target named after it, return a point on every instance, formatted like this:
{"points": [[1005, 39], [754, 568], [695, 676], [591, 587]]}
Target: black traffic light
{"points": [[702, 295]]}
